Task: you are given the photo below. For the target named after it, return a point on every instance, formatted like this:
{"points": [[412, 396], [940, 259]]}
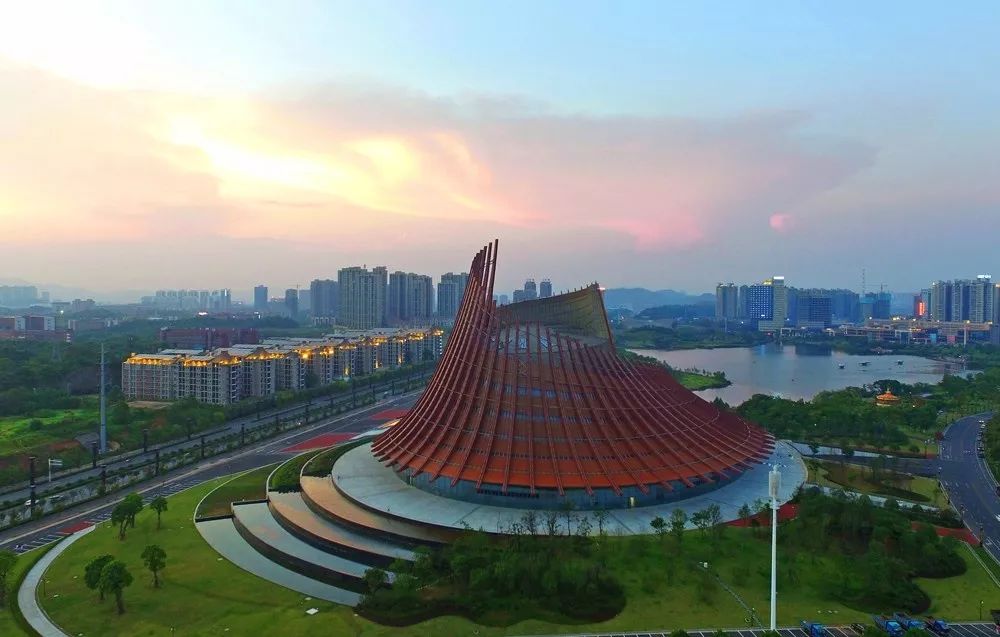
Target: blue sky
{"points": [[811, 138]]}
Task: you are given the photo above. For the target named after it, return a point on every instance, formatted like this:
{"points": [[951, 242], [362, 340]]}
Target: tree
{"points": [[530, 522], [567, 508], [375, 578], [114, 579], [132, 506], [714, 520], [158, 504], [678, 520], [745, 513], [92, 573], [601, 517], [7, 561], [155, 559], [119, 517], [552, 522], [701, 520], [660, 526]]}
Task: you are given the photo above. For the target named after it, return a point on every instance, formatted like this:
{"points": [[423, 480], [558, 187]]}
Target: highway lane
{"points": [[233, 427], [973, 491], [53, 527]]}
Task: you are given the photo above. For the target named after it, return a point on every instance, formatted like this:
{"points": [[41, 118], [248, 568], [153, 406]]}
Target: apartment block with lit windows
{"points": [[227, 375]]}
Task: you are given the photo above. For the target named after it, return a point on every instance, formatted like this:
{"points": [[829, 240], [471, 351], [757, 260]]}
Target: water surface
{"points": [[797, 372]]}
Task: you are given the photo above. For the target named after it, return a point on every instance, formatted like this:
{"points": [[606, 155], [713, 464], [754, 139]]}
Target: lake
{"points": [[797, 372]]}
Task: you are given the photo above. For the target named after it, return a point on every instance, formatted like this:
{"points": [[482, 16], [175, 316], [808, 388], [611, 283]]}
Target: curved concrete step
{"points": [[226, 540], [257, 526], [326, 501], [295, 516]]}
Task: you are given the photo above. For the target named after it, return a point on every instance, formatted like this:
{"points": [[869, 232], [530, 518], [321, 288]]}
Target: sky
{"points": [[207, 144]]}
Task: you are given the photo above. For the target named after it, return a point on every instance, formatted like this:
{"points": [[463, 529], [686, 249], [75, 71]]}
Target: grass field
{"points": [[960, 597], [19, 434], [246, 486], [858, 478], [695, 381], [203, 594]]}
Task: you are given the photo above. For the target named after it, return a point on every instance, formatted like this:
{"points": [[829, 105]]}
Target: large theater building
{"points": [[532, 406]]}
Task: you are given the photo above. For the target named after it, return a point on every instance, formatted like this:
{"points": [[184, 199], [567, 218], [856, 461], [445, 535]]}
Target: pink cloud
{"points": [[780, 222], [382, 171]]}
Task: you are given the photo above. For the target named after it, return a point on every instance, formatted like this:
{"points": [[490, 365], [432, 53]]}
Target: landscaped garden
{"points": [[876, 479], [842, 557]]}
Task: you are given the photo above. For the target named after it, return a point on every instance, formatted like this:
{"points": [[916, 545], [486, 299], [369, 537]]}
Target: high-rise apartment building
{"points": [[940, 301], [726, 301], [530, 290], [292, 302], [362, 297], [260, 298], [450, 291], [972, 300], [411, 298], [545, 289], [324, 295], [981, 299]]}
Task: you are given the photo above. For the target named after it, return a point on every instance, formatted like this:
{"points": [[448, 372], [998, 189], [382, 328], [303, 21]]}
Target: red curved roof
{"points": [[535, 395]]}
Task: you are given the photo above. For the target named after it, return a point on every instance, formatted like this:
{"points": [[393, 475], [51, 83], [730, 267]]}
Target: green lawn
{"points": [[960, 597], [246, 486], [203, 594]]}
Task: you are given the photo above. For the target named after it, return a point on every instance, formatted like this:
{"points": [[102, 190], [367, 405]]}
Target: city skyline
{"points": [[798, 139]]}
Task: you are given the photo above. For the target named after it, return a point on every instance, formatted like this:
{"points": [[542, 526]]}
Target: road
{"points": [[53, 527], [972, 489], [231, 428]]}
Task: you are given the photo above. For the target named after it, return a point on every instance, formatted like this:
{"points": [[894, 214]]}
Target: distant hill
{"points": [[638, 299]]}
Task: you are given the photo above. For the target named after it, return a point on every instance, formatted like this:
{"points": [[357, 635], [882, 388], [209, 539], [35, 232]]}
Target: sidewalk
{"points": [[27, 598]]}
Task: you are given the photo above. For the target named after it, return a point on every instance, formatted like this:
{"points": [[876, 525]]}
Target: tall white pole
{"points": [[774, 483], [104, 421]]}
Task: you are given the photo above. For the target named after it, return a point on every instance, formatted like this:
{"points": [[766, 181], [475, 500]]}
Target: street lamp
{"points": [[773, 485]]}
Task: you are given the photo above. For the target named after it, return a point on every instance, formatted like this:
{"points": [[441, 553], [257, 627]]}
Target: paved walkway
{"points": [[27, 595], [364, 479]]}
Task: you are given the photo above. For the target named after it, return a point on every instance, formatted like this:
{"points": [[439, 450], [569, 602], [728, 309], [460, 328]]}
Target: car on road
{"points": [[858, 627], [998, 517], [982, 422]]}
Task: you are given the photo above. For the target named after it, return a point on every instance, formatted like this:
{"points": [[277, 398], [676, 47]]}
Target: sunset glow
{"points": [[119, 136]]}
